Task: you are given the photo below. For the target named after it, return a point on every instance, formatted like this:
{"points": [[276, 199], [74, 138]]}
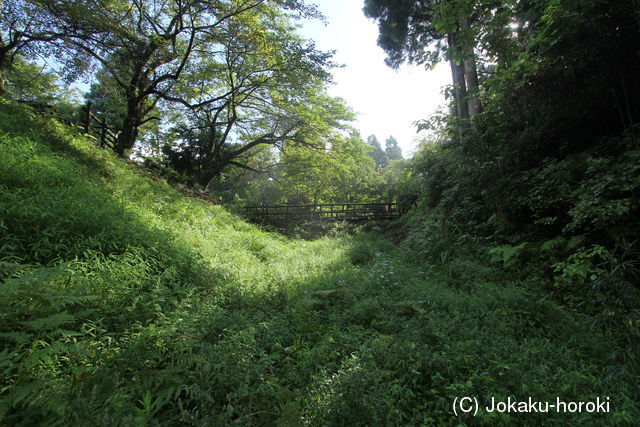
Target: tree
{"points": [[213, 148], [424, 31], [27, 81], [26, 30], [107, 98], [392, 149], [147, 46], [377, 153], [262, 85], [396, 177], [344, 172], [244, 185]]}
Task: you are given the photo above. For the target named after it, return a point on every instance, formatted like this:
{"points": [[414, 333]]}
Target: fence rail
{"points": [[107, 134], [87, 122], [323, 211]]}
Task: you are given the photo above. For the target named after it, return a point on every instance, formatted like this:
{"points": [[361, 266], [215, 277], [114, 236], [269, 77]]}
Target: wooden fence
{"points": [[88, 123], [323, 211], [91, 124]]}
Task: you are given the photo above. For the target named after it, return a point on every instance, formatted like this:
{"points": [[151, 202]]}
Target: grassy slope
{"points": [[123, 302]]}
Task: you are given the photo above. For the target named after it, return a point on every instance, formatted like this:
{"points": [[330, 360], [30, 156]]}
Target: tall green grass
{"points": [[124, 303]]}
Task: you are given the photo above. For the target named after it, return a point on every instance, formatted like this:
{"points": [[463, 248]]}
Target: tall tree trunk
{"points": [[457, 74], [3, 67], [459, 86], [136, 100], [128, 133], [131, 123], [4, 54], [211, 170], [471, 78]]}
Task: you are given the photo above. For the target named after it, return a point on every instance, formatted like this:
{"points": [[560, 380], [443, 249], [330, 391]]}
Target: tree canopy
{"points": [[147, 49], [392, 149]]}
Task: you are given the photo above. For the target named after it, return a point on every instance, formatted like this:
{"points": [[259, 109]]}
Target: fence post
{"points": [[103, 132]]}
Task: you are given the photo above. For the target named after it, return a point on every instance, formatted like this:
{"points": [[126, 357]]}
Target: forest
{"points": [[135, 290]]}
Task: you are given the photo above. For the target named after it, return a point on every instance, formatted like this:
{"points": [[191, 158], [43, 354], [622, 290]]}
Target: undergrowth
{"points": [[125, 303]]}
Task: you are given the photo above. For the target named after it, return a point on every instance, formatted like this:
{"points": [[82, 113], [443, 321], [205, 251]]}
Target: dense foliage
{"points": [[125, 303], [224, 96], [514, 274], [548, 171]]}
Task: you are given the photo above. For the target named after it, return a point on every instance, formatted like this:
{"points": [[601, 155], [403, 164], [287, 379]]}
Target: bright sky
{"points": [[387, 101]]}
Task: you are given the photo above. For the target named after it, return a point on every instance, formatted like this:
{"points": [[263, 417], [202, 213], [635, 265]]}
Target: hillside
{"points": [[125, 303]]}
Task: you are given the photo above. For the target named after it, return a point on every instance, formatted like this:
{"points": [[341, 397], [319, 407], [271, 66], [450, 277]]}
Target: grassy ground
{"points": [[124, 303]]}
